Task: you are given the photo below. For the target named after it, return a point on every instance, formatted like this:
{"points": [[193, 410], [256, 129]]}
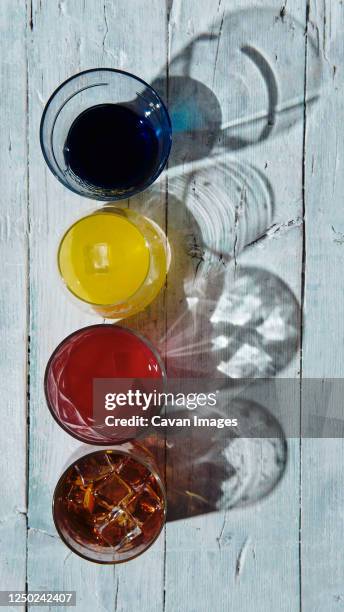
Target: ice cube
{"points": [[132, 472], [76, 494], [120, 530], [144, 504], [92, 468], [112, 491], [97, 258]]}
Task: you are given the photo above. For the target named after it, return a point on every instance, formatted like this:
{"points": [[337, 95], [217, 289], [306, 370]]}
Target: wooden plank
{"points": [[78, 35], [52, 566], [53, 208], [222, 560], [322, 459], [13, 296]]}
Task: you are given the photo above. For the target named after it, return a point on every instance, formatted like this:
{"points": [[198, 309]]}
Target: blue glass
{"points": [[105, 134]]}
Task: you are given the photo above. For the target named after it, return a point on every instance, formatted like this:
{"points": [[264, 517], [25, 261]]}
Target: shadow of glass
{"points": [[232, 202], [196, 117], [255, 53], [222, 319], [208, 469], [240, 322], [212, 214]]}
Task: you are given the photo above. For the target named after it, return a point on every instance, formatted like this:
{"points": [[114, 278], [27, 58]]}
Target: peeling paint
{"points": [[240, 562], [339, 236]]}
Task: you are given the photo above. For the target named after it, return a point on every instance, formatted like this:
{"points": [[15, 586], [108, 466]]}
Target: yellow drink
{"points": [[113, 259]]}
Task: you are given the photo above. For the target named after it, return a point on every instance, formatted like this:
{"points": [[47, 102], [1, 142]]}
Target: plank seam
{"points": [[28, 28], [303, 280]]}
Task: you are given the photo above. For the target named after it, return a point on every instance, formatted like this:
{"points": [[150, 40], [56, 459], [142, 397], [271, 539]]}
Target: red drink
{"points": [[95, 352], [110, 506]]}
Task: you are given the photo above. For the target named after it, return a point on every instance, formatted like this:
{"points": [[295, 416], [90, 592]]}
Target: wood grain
{"points": [[13, 295], [322, 460], [253, 190], [221, 561], [83, 35]]}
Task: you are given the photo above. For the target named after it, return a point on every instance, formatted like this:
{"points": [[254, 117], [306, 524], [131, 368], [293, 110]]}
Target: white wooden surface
{"points": [[285, 552], [13, 300], [322, 460]]}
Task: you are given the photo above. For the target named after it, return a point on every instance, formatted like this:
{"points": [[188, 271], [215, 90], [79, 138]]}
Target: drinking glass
{"points": [[114, 261], [105, 134], [109, 506], [93, 354]]}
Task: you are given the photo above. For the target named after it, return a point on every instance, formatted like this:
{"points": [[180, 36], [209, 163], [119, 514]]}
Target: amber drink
{"points": [[110, 505]]}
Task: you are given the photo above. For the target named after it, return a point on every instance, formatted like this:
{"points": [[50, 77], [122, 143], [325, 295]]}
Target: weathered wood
{"points": [[224, 560], [254, 158], [13, 295], [322, 460], [65, 38]]}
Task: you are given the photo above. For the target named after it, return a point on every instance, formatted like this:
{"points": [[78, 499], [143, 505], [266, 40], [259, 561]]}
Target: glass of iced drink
{"points": [[113, 261], [110, 506]]}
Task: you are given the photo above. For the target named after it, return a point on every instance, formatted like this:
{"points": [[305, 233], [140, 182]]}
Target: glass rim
{"points": [[106, 197], [64, 235], [139, 460], [47, 367]]}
